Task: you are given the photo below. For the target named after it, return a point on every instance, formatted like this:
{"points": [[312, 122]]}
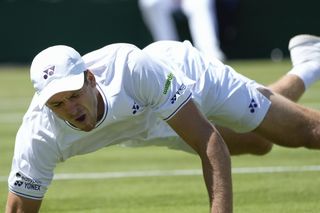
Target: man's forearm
{"points": [[204, 138], [216, 165]]}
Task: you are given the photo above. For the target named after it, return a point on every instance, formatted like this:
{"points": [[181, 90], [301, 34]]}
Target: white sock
{"points": [[309, 72]]}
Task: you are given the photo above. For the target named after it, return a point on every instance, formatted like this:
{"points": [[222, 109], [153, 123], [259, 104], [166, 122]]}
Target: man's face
{"points": [[78, 107]]}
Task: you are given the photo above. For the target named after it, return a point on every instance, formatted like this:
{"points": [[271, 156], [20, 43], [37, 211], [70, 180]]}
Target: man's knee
{"points": [[262, 148], [245, 143], [255, 147]]}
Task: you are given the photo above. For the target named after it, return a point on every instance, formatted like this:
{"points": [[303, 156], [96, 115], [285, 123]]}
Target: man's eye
{"points": [[56, 104], [75, 95]]}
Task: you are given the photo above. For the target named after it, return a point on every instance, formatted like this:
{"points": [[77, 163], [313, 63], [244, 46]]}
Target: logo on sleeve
{"points": [[135, 108], [168, 83], [18, 183], [27, 183], [180, 91]]}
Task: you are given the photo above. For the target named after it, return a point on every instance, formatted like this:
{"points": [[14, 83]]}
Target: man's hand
{"points": [[204, 138], [16, 203]]}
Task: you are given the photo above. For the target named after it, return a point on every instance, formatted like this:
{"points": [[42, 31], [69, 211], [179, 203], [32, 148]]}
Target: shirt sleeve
{"points": [[33, 162], [163, 87]]}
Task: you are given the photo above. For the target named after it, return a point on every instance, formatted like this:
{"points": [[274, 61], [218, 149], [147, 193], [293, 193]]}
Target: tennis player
{"points": [[163, 94]]}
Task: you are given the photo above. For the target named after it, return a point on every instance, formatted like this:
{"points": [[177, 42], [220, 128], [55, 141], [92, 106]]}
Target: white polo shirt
{"points": [[141, 89]]}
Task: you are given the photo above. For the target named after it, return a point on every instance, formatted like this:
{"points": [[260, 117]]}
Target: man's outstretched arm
{"points": [[204, 138], [17, 204]]}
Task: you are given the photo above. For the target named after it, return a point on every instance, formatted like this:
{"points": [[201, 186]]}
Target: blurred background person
{"points": [[201, 17]]}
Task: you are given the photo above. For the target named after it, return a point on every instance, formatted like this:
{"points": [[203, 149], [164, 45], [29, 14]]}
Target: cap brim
{"points": [[70, 83]]}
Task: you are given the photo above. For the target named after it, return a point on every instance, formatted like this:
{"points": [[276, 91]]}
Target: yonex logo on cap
{"points": [[48, 72]]}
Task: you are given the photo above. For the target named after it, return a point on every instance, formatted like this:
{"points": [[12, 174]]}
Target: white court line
{"points": [[158, 173]]}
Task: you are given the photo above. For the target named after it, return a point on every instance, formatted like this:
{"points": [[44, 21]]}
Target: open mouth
{"points": [[81, 118]]}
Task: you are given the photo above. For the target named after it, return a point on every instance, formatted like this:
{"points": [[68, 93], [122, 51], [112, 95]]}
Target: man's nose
{"points": [[70, 107]]}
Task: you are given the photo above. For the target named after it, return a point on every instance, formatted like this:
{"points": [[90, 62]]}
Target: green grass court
{"points": [[255, 192]]}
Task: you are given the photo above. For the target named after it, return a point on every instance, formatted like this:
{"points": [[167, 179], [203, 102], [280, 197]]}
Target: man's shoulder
{"points": [[109, 51], [36, 113], [38, 123]]}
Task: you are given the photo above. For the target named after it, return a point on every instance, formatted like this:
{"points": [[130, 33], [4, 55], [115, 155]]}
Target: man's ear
{"points": [[91, 78]]}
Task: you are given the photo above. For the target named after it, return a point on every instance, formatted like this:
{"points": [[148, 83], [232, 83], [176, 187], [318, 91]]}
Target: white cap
{"points": [[56, 69]]}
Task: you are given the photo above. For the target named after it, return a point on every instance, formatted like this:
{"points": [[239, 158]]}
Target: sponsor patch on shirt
{"points": [[168, 83], [27, 183]]}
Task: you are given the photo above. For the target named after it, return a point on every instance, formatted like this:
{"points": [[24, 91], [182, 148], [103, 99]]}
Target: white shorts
{"points": [[233, 101], [228, 98]]}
